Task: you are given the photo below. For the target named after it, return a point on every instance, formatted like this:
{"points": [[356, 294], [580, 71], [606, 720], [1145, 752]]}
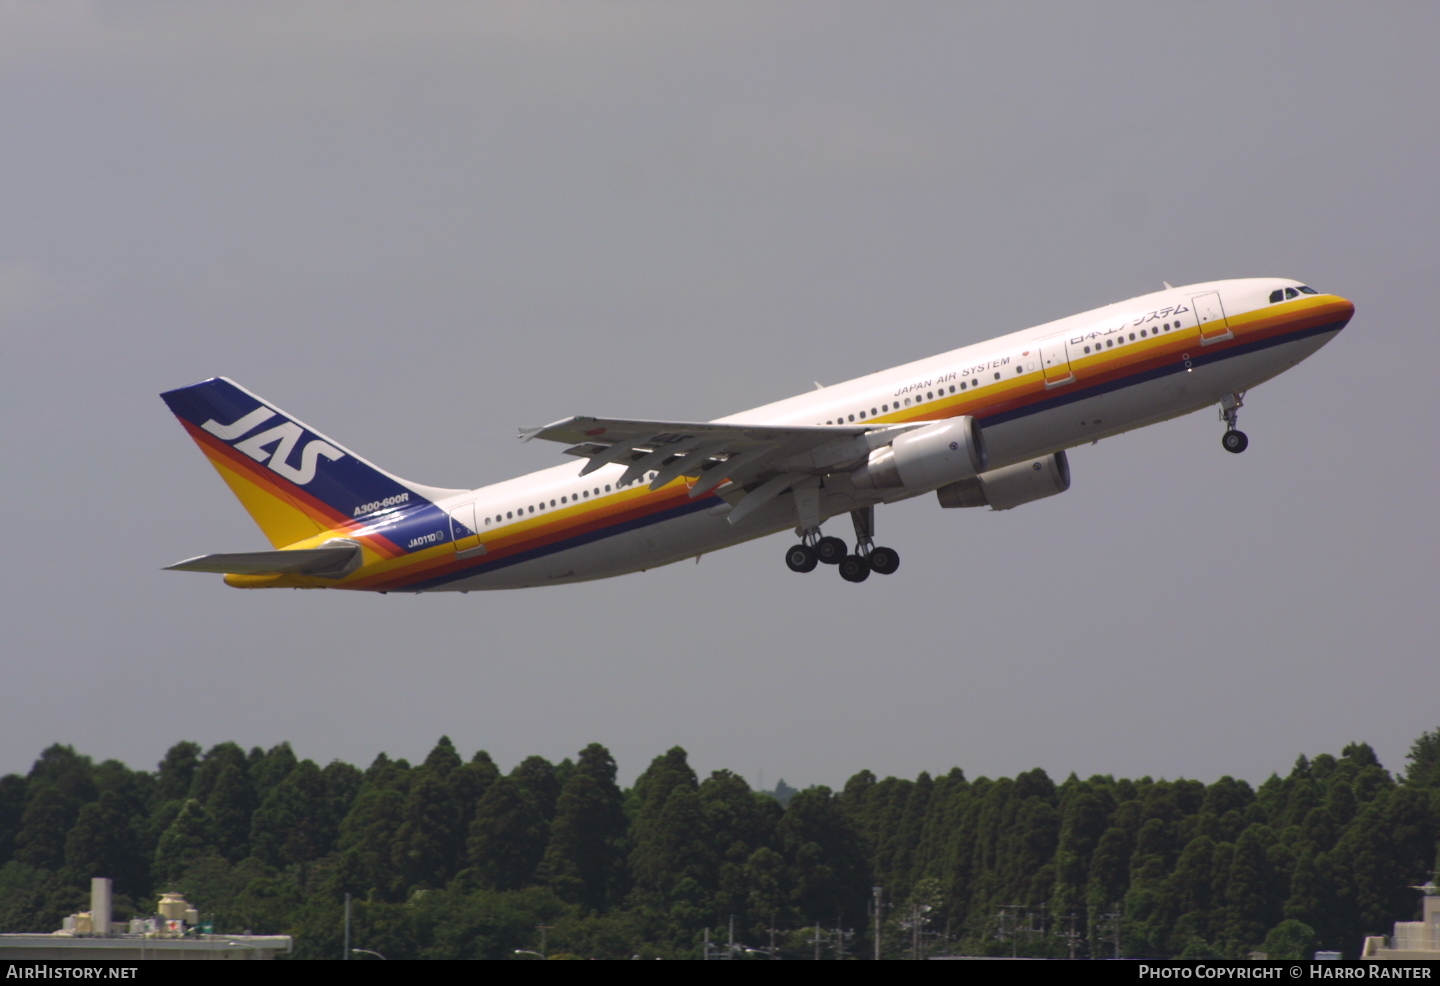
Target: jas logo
{"points": [[284, 437]]}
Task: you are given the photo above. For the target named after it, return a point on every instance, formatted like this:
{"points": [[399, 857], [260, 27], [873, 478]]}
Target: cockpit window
{"points": [[1307, 290], [1291, 293], [1277, 295]]}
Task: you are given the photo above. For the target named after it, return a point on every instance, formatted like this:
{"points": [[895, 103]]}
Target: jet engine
{"points": [[947, 451], [1001, 489]]}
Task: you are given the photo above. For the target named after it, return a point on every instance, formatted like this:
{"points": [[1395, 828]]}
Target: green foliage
{"points": [[1290, 939], [453, 859], [1424, 759]]}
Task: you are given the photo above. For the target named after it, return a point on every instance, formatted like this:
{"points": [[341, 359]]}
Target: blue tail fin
{"points": [[294, 481]]}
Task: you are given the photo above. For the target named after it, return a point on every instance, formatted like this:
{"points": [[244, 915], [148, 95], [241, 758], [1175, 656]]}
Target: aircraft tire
{"points": [[801, 558], [884, 561], [853, 568], [1235, 441], [831, 551]]}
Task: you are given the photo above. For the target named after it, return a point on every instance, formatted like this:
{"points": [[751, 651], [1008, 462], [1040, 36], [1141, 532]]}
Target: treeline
{"points": [[457, 859]]}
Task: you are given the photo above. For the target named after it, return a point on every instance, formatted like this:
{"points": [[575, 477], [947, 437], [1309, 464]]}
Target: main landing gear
{"points": [[1233, 440], [814, 549]]}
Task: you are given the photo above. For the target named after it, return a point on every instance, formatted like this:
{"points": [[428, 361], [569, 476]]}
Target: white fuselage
{"points": [[1001, 382]]}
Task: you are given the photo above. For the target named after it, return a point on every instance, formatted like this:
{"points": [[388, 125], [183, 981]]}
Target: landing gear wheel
{"points": [[830, 550], [883, 561], [801, 558], [1235, 441], [853, 568]]}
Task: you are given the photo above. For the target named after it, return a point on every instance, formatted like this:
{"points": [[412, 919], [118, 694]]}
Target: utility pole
{"points": [[346, 956], [879, 894], [817, 941], [543, 928]]}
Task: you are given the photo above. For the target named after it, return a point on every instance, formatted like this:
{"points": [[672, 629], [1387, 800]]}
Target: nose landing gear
{"points": [[1233, 440]]}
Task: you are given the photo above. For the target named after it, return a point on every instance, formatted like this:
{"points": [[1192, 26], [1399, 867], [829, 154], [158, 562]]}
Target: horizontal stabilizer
{"points": [[323, 562]]}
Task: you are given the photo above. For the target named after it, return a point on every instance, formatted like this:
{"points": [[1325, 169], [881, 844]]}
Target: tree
{"points": [[177, 771], [189, 838], [207, 773], [1424, 759], [507, 838], [231, 803], [293, 823], [536, 777], [368, 836], [104, 842], [584, 861], [1290, 939], [829, 868], [41, 839], [12, 806], [267, 770], [430, 841]]}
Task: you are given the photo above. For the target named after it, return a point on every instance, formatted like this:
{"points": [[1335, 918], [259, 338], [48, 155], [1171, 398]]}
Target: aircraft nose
{"points": [[1344, 311]]}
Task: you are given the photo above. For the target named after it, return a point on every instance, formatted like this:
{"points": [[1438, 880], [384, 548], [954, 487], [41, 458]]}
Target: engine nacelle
{"points": [[945, 452], [1001, 489]]}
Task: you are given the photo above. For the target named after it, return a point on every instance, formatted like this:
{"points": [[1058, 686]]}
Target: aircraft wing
{"points": [[778, 457], [309, 561]]}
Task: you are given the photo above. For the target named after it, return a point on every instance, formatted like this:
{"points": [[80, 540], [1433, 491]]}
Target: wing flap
{"points": [[777, 457]]}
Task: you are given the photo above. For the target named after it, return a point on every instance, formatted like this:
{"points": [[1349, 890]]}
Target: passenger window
{"points": [[564, 500], [852, 417], [929, 396], [1142, 333], [552, 503], [607, 487], [509, 514], [1291, 293], [487, 521], [1276, 295], [1109, 343], [1132, 337], [1019, 370], [997, 374], [585, 493]]}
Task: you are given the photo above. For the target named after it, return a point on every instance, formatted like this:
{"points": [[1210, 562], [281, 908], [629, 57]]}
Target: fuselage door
{"points": [[1056, 363], [1211, 317], [463, 533]]}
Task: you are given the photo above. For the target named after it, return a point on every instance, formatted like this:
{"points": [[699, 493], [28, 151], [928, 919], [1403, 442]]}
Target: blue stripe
{"points": [[481, 565], [1203, 359]]}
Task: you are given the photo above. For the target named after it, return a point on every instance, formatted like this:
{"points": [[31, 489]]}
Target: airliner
{"points": [[986, 425]]}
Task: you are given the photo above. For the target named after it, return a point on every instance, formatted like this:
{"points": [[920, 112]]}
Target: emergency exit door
{"points": [[1055, 361], [463, 532], [1211, 317]]}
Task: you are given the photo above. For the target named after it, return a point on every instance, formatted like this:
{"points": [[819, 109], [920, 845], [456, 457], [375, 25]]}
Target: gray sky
{"points": [[419, 228]]}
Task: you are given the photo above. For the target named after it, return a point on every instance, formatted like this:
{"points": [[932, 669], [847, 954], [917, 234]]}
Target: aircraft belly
{"points": [[1146, 402]]}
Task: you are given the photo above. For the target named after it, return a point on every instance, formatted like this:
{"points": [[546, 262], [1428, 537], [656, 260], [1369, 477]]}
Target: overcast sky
{"points": [[421, 227]]}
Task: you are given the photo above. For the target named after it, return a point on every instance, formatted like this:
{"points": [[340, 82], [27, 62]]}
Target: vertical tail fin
{"points": [[295, 482]]}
